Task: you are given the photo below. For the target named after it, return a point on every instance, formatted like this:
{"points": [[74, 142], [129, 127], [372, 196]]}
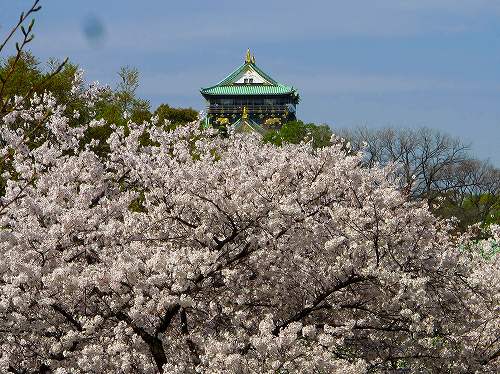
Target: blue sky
{"points": [[403, 63]]}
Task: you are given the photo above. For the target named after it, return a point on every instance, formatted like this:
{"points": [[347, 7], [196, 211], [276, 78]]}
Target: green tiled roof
{"points": [[228, 87], [247, 125], [230, 78], [248, 90]]}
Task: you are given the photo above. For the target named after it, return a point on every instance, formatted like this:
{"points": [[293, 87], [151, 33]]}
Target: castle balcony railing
{"points": [[251, 108]]}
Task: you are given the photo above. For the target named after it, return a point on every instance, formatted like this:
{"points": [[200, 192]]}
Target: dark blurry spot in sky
{"points": [[93, 30]]}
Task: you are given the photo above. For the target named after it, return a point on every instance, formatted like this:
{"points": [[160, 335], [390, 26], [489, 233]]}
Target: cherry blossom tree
{"points": [[198, 253]]}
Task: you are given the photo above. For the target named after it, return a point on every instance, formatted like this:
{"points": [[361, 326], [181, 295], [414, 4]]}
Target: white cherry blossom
{"points": [[226, 255]]}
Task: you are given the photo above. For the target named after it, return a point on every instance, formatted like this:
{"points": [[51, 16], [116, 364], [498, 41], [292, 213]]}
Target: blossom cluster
{"points": [[198, 253]]}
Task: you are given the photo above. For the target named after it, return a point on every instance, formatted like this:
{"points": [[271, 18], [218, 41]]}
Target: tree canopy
{"points": [[295, 132], [296, 260], [175, 116]]}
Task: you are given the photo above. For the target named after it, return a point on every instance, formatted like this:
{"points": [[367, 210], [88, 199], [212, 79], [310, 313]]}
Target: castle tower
{"points": [[250, 100]]}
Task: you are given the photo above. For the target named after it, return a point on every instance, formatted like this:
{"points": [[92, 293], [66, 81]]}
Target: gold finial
{"points": [[248, 57], [245, 113], [253, 59]]}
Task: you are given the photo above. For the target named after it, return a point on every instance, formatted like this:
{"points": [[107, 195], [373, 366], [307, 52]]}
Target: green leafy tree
{"points": [[28, 76], [122, 104], [297, 131], [25, 73], [175, 116], [118, 107]]}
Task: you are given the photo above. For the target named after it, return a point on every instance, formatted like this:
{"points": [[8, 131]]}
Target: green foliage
{"points": [[483, 209], [28, 74], [137, 205], [176, 116], [297, 131], [24, 75], [122, 105]]}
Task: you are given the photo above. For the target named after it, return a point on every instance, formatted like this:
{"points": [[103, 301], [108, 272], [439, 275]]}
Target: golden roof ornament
{"points": [[245, 113], [248, 57], [253, 59]]}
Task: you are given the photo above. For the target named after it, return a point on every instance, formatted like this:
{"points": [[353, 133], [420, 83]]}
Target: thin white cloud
{"points": [[288, 21], [318, 83], [275, 21]]}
